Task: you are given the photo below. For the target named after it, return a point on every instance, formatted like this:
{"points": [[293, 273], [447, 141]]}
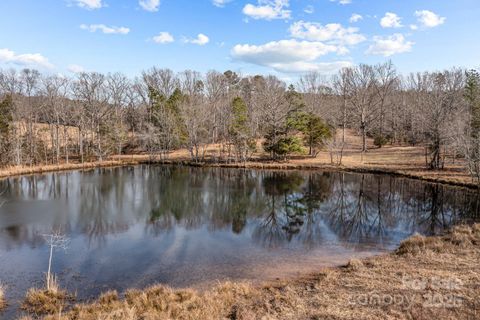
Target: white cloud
{"points": [[28, 59], [342, 1], [268, 10], [391, 20], [302, 67], [282, 51], [201, 40], [429, 19], [355, 18], [90, 4], [309, 9], [75, 68], [149, 5], [163, 37], [390, 45], [220, 3], [332, 32], [287, 55], [413, 27], [105, 29]]}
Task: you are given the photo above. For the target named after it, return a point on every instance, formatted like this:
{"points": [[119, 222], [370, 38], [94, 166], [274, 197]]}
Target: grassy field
{"points": [[425, 278]]}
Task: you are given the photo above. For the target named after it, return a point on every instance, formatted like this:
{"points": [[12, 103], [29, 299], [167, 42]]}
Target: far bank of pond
{"points": [[455, 176]]}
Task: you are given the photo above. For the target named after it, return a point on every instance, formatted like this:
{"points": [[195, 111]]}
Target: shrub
{"points": [[380, 141], [285, 146]]}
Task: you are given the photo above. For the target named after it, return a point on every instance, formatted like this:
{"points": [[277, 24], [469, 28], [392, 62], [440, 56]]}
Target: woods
{"points": [[52, 119]]}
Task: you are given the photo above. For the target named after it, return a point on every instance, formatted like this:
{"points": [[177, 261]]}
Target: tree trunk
{"points": [[364, 136]]}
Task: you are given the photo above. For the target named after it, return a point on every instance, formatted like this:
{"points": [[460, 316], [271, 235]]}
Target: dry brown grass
{"points": [[162, 302], [42, 301], [426, 278], [23, 170], [354, 265], [458, 237], [3, 302]]}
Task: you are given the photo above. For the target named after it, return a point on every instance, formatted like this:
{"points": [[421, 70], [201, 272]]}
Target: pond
{"points": [[182, 226]]}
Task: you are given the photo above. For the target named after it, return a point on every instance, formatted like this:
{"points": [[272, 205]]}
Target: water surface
{"points": [[135, 226]]}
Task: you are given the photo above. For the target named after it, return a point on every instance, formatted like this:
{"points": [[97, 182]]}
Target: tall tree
{"points": [[278, 105], [239, 130], [6, 124], [438, 100], [363, 98], [472, 97]]}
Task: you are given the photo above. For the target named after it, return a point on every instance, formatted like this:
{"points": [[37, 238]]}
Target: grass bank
{"points": [[405, 161], [13, 171], [448, 176], [425, 278]]}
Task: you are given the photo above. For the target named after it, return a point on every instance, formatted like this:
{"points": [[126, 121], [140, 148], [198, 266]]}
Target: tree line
{"points": [[52, 119]]}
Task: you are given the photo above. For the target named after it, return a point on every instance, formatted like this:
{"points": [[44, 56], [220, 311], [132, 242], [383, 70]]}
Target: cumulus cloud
{"points": [[8, 56], [391, 20], [268, 10], [390, 45], [163, 37], [282, 51], [355, 18], [334, 33], [287, 55], [220, 3], [149, 5], [90, 4], [429, 19], [201, 40], [105, 29]]}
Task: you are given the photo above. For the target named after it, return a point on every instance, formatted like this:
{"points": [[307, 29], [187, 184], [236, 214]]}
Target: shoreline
{"points": [[290, 165], [342, 168], [398, 285]]}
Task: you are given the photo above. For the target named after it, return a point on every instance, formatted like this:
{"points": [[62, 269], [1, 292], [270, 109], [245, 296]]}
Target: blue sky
{"points": [[282, 37]]}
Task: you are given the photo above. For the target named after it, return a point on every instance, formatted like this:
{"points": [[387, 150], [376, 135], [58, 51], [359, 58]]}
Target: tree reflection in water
{"points": [[309, 207], [273, 208]]}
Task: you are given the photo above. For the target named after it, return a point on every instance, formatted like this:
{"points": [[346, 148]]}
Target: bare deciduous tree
{"points": [[55, 240], [54, 119]]}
